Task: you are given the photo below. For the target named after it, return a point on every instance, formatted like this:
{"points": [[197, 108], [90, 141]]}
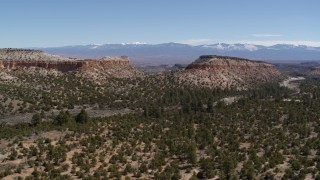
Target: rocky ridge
{"points": [[98, 69], [228, 72], [12, 54]]}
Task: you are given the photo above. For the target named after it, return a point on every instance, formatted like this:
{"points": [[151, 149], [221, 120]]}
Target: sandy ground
{"points": [[230, 100], [292, 84]]}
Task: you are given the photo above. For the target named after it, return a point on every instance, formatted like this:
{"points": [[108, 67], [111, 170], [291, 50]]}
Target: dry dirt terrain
{"points": [[292, 83]]}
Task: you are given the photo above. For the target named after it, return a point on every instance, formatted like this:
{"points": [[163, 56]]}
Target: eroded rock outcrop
{"points": [[228, 72], [118, 67], [97, 69]]}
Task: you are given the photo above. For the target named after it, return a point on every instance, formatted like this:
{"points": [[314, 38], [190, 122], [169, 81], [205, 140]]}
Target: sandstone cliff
{"points": [[106, 67], [97, 69], [228, 72]]}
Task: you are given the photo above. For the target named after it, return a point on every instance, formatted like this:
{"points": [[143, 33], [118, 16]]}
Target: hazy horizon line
{"points": [[192, 42]]}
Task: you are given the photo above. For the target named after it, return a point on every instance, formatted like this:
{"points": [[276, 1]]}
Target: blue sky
{"points": [[47, 23]]}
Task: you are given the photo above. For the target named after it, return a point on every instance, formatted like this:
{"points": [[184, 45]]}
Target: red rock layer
{"points": [[90, 64], [228, 72], [65, 66]]}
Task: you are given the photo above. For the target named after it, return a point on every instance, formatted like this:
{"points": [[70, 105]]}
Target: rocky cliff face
{"points": [[228, 72], [106, 67], [17, 59]]}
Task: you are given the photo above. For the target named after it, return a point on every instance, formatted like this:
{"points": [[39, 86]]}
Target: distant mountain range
{"points": [[176, 53]]}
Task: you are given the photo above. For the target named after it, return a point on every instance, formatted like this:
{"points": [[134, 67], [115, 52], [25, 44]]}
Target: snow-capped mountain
{"points": [[233, 47], [172, 53]]}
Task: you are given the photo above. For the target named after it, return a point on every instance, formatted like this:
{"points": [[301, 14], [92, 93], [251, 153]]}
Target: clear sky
{"points": [[47, 23]]}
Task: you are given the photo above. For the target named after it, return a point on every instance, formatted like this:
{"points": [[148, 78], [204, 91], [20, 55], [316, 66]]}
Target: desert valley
{"points": [[160, 90], [220, 117]]}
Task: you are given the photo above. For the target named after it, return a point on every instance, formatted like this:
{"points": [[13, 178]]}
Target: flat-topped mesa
{"points": [[107, 62], [221, 57], [12, 54], [97, 70], [213, 62], [118, 67], [25, 58], [228, 72], [113, 61], [7, 50], [115, 58]]}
